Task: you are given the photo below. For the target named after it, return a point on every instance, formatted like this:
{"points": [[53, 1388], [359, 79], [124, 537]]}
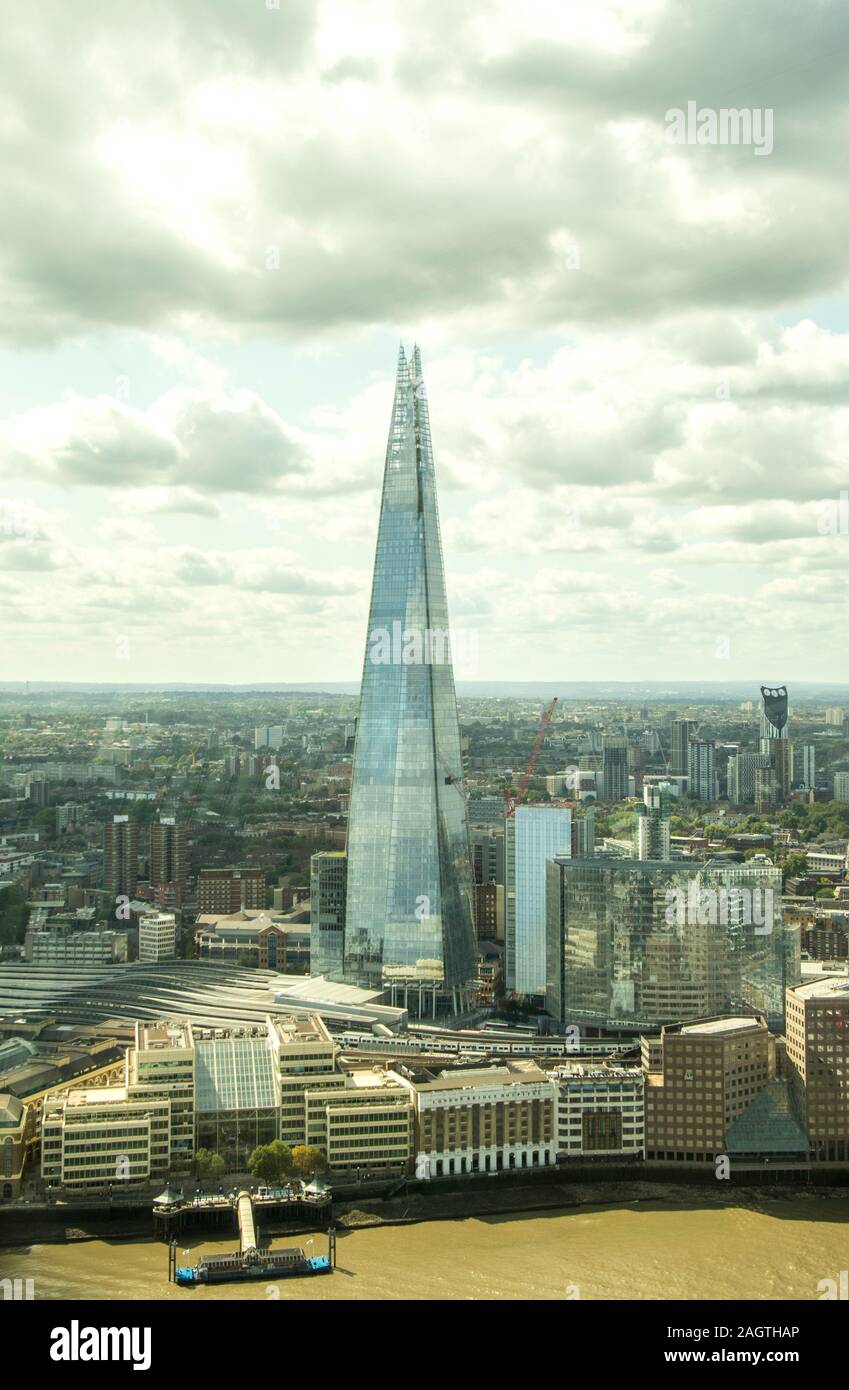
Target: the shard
{"points": [[408, 918]]}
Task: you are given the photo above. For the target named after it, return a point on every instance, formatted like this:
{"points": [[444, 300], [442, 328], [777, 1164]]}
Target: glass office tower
{"points": [[650, 943], [409, 896], [535, 834]]}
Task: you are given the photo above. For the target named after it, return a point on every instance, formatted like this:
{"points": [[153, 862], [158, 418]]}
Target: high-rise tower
{"points": [[408, 918]]}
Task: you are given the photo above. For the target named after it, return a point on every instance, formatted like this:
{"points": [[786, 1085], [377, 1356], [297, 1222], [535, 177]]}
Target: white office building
{"points": [[157, 937], [535, 834]]}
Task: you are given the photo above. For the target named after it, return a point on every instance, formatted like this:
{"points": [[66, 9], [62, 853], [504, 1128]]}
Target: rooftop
{"points": [[95, 1095], [164, 1034], [713, 1026], [831, 987], [463, 1078]]}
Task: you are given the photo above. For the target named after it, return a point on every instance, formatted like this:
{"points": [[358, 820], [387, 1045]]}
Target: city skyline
{"points": [[640, 396]]}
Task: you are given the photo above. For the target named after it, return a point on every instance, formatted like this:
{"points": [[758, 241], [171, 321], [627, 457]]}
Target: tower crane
{"points": [[515, 801]]}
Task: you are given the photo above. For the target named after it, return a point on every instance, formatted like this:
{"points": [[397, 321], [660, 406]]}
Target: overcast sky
{"points": [[219, 219]]}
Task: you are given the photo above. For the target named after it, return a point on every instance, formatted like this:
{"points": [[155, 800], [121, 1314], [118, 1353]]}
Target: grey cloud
{"points": [[421, 212]]}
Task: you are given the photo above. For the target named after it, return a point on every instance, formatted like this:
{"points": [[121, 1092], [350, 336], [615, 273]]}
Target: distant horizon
{"points": [[736, 687]]}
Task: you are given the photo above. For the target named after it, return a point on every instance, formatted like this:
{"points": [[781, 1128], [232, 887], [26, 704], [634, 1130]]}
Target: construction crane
{"points": [[514, 801]]}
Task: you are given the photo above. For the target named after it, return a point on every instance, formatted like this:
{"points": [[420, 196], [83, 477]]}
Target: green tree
{"points": [[795, 866], [208, 1165], [308, 1160], [271, 1162]]}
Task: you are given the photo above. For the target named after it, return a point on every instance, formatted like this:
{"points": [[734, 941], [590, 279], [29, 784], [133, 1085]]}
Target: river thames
{"points": [[782, 1249]]}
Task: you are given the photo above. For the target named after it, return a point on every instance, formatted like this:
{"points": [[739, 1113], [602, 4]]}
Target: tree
{"points": [[271, 1162], [208, 1165], [308, 1160], [795, 866]]}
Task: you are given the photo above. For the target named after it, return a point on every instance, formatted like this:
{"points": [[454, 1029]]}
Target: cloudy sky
{"points": [[220, 217]]}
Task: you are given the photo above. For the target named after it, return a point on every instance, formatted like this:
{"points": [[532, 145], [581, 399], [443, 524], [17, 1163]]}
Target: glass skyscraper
{"points": [[649, 943], [409, 895], [535, 834]]}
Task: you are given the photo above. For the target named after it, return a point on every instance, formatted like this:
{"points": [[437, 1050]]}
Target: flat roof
{"points": [[509, 1074], [96, 1095], [832, 987], [723, 1025], [164, 1035]]}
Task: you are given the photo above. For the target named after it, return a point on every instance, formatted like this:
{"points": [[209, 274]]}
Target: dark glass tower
{"points": [[408, 918]]}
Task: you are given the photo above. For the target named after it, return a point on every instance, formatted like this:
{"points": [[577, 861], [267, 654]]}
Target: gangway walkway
{"points": [[247, 1224]]}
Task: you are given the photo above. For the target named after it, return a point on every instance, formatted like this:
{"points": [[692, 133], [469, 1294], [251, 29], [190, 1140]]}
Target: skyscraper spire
{"points": [[409, 894]]}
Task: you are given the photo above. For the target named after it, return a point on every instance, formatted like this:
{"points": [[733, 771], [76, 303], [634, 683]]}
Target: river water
{"points": [[646, 1251]]}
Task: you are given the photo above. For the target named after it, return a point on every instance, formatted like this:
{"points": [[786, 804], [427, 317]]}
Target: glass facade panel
{"points": [[234, 1074]]}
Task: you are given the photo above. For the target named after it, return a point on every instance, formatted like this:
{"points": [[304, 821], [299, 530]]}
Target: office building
{"points": [[366, 1125], [157, 936], [650, 943], [328, 893], [486, 810], [714, 1089], [237, 1097], [161, 1066], [255, 936], [488, 852], [409, 896], [818, 1056], [306, 1059], [535, 834], [61, 945], [103, 1138], [600, 1110], [483, 1119]]}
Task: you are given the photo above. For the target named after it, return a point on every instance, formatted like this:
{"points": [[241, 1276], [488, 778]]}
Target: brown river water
{"points": [[646, 1251]]}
